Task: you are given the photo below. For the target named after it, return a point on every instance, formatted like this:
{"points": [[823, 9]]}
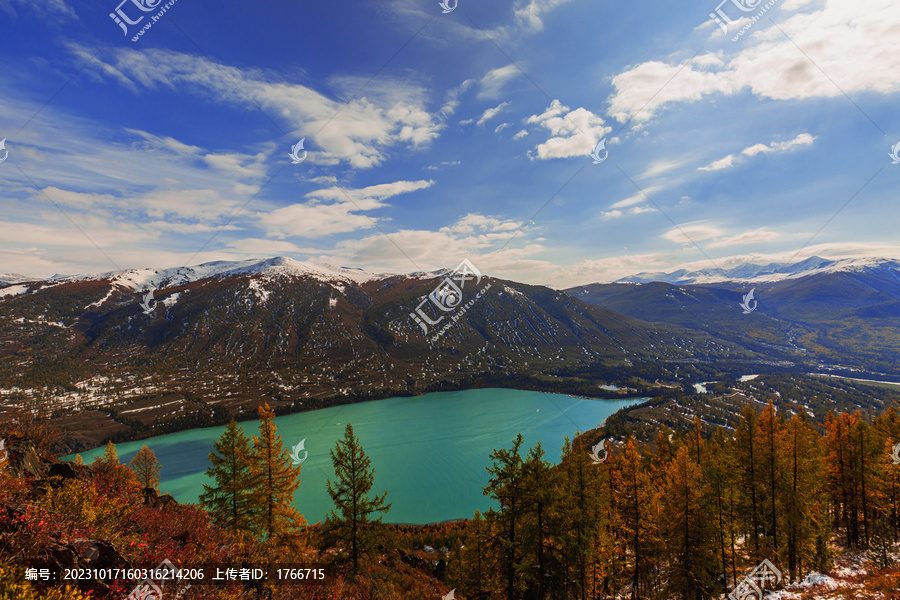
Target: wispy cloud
{"points": [[359, 132], [492, 112], [804, 139]]}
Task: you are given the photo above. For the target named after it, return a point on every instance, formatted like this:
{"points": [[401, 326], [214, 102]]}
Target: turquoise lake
{"points": [[429, 452]]}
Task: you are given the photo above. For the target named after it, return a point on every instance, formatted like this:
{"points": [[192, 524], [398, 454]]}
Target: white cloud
{"points": [[638, 198], [804, 139], [491, 85], [529, 12], [663, 166], [501, 127], [834, 36], [689, 234], [718, 165], [492, 112], [52, 10], [334, 210], [521, 134], [641, 209], [361, 132], [574, 132], [757, 236]]}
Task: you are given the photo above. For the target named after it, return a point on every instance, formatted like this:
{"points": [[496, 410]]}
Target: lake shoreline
{"points": [[526, 383]]}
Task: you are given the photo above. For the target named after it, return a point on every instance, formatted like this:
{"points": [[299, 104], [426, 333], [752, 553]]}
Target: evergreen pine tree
{"points": [[352, 522], [228, 500], [505, 486]]}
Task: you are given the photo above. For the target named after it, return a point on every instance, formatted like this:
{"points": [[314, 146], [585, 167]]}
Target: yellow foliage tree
{"points": [[146, 468]]}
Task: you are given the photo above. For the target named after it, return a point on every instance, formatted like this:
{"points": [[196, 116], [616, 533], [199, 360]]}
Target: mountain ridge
{"points": [[749, 273]]}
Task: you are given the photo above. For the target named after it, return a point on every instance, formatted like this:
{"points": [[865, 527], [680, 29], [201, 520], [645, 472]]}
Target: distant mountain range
{"points": [[844, 312], [278, 328], [768, 273]]}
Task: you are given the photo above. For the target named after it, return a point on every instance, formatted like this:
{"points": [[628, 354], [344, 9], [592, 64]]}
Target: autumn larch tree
{"points": [[351, 521], [114, 476], [688, 529], [228, 500], [146, 468], [274, 481]]}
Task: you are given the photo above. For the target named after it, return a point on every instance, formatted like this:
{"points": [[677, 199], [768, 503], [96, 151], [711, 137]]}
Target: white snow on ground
{"points": [[821, 582], [332, 302], [261, 293], [13, 290], [131, 410], [169, 301], [748, 377], [104, 299], [39, 321], [14, 278]]}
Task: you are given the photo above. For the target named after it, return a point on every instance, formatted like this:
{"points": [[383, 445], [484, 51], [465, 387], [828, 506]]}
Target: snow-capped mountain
{"points": [[302, 332], [10, 278], [751, 273]]}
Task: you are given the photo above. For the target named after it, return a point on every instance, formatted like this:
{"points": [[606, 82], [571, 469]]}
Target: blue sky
{"points": [[435, 137]]}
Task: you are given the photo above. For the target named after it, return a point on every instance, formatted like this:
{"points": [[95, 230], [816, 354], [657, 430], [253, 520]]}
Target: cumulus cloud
{"points": [[834, 35], [574, 132]]}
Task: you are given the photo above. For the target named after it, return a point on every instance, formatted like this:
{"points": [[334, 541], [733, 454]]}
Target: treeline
{"points": [[688, 517]]}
